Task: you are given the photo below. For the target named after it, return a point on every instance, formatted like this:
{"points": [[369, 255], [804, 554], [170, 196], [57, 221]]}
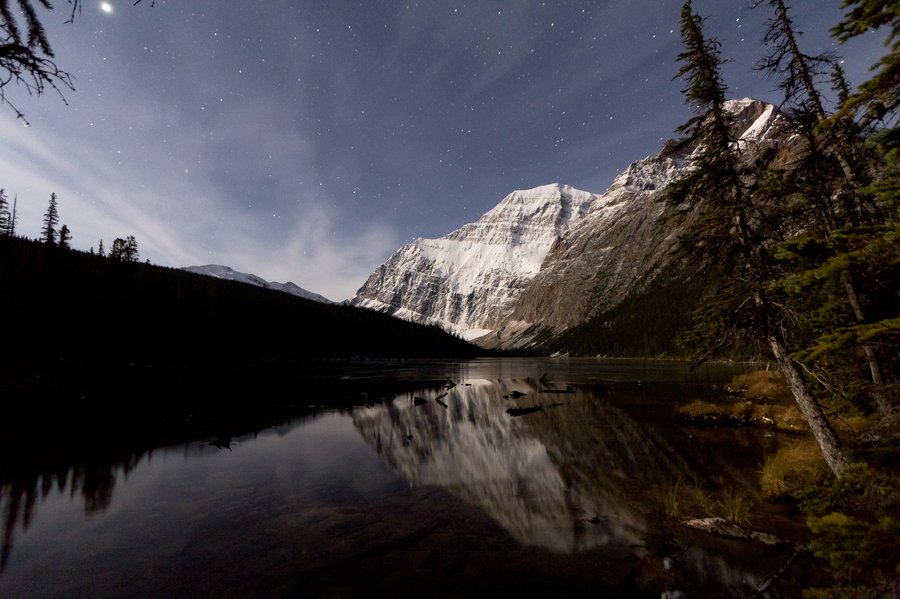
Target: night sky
{"points": [[307, 141]]}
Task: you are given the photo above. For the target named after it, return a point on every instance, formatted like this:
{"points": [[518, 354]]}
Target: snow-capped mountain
{"points": [[621, 247], [548, 258], [224, 272], [467, 280]]}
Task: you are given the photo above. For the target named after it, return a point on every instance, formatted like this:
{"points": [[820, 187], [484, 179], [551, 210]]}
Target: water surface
{"points": [[440, 491]]}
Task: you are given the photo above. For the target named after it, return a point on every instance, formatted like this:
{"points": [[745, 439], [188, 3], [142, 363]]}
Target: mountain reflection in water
{"points": [[454, 498], [565, 478]]}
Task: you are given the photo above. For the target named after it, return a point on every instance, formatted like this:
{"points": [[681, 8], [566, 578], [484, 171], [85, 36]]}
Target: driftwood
{"points": [[724, 528], [523, 411]]}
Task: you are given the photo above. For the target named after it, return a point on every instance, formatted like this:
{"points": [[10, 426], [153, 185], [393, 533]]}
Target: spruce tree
{"points": [[51, 219], [728, 228], [5, 215], [13, 217], [100, 251], [828, 172], [795, 71], [65, 237], [878, 97], [117, 251]]}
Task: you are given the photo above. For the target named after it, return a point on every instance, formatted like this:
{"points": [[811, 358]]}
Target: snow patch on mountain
{"points": [[219, 271], [464, 280]]}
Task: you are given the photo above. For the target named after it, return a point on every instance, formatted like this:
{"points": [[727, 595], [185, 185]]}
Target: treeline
{"points": [[52, 233]]}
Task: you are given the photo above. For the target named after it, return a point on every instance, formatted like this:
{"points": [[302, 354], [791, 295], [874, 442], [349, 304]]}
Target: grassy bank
{"points": [[852, 523]]}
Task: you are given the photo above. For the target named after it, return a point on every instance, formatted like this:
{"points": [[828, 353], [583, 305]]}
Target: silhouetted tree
{"points": [[13, 217], [51, 219], [100, 251], [879, 97], [5, 215], [26, 57], [795, 71], [65, 237], [125, 250]]}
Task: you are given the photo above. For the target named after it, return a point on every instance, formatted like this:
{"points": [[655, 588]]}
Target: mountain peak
{"points": [[220, 271], [461, 279]]}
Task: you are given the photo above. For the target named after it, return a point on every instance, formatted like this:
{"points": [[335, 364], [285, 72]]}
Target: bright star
{"points": [[106, 7]]}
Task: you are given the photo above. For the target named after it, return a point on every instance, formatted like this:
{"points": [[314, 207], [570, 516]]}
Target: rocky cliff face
{"points": [[616, 248], [468, 280], [547, 259]]}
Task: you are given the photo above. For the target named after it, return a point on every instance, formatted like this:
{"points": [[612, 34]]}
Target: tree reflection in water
{"points": [[30, 479]]}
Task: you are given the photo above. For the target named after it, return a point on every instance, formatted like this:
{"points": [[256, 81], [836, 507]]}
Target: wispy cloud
{"points": [[181, 219]]}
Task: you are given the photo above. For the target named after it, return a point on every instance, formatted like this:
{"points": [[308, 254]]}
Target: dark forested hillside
{"points": [[75, 305], [649, 324], [83, 329]]}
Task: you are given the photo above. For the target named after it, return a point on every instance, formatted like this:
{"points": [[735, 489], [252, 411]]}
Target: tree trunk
{"points": [[787, 28], [800, 63], [859, 315], [831, 447]]}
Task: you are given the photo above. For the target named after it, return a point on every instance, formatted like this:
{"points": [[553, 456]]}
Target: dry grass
{"points": [[670, 500], [763, 385], [782, 417], [698, 409], [765, 400], [793, 467], [677, 500], [704, 503], [734, 509]]}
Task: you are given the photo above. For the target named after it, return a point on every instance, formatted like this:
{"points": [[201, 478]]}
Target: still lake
{"points": [[446, 497]]}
